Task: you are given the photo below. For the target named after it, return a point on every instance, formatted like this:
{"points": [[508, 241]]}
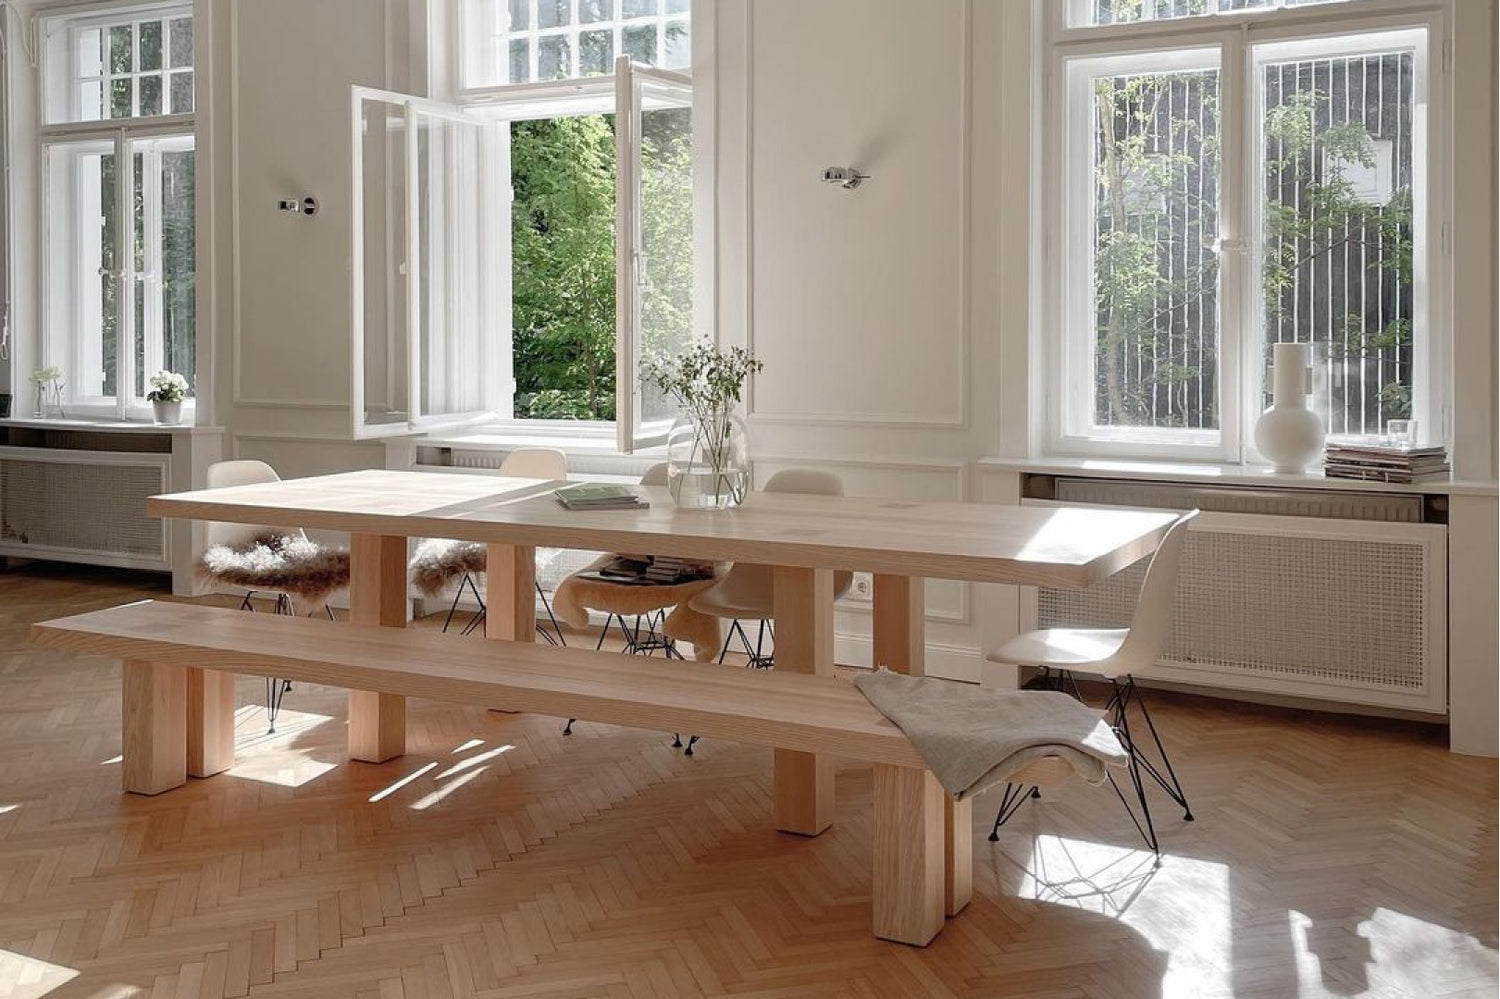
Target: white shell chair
{"points": [[253, 560], [747, 591], [1115, 654], [437, 562]]}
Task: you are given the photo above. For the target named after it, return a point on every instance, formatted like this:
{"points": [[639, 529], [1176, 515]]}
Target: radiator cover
{"points": [[1341, 610]]}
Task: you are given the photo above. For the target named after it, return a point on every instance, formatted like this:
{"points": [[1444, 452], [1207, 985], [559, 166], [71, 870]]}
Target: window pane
{"points": [[1337, 228], [1155, 194], [516, 41], [179, 272], [79, 266], [520, 61], [120, 103], [181, 35], [1127, 11], [120, 55], [383, 261], [182, 93], [563, 271], [552, 13], [666, 299], [150, 95], [640, 44], [596, 52], [679, 51], [150, 35], [553, 61]]}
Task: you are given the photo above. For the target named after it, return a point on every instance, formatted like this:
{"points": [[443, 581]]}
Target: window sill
{"points": [[95, 424], [1211, 473], [586, 451]]}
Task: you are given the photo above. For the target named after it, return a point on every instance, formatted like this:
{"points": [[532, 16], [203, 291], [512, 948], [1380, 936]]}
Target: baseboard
{"points": [[952, 662]]}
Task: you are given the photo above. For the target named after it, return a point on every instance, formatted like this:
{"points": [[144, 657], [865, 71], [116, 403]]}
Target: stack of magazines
{"points": [[599, 496], [650, 570], [1378, 463]]}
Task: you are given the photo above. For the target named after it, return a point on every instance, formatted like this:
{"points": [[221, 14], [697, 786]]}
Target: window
{"points": [[523, 41], [119, 253], [518, 257], [1225, 191]]}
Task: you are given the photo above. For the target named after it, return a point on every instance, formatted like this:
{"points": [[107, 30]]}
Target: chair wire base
{"points": [[644, 637], [1141, 767], [552, 635], [758, 657]]}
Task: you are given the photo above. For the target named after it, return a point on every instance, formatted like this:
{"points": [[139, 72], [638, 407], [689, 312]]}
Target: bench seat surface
{"points": [[769, 708]]}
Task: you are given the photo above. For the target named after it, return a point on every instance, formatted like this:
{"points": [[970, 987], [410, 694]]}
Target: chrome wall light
{"points": [[294, 206], [846, 177]]}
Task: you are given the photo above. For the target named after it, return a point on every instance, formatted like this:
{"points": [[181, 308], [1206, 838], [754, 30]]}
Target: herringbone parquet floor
{"points": [[1331, 857]]}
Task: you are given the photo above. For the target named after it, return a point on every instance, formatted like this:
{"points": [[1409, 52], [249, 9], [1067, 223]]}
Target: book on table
{"points": [[650, 570], [599, 496]]}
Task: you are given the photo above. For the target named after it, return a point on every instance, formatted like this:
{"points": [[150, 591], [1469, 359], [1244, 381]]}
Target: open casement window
{"points": [[654, 244], [497, 277], [428, 307]]}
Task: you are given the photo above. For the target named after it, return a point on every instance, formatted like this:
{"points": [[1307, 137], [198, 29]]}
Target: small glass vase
{"points": [[708, 461]]}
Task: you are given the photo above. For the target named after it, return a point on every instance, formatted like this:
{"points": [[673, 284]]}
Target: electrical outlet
{"points": [[863, 587]]}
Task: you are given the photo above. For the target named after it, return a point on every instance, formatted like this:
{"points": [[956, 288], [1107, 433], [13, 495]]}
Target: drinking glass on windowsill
{"points": [[1402, 434]]}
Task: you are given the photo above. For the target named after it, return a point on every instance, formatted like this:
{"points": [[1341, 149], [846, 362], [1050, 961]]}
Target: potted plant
{"points": [[708, 461], [168, 389], [49, 390]]}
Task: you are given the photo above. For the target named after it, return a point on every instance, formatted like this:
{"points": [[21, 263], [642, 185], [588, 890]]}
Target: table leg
{"points": [[908, 848], [377, 595], [510, 611], [900, 618], [803, 610], [210, 722], [153, 727], [900, 642]]}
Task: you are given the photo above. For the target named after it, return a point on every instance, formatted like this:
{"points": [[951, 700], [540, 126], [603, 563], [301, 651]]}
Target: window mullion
{"points": [[1238, 274], [124, 275], [152, 283]]}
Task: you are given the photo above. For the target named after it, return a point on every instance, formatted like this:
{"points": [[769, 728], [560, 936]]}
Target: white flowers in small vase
{"points": [[708, 462], [168, 389], [49, 392]]}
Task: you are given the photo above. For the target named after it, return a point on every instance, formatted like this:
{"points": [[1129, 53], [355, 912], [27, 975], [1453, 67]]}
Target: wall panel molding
{"points": [[960, 393]]}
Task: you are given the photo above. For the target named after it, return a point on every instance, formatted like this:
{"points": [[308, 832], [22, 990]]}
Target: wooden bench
{"points": [[177, 685]]}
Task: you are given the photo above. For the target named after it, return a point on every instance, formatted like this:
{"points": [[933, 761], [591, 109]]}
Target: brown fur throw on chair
{"points": [[287, 563], [577, 594], [439, 563]]}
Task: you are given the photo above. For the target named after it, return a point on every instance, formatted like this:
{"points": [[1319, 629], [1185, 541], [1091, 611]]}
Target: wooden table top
{"points": [[1067, 547]]}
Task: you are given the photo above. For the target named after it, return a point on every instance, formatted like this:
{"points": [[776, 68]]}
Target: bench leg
{"points": [[958, 854], [210, 722], [377, 595], [153, 727], [908, 847], [803, 610]]}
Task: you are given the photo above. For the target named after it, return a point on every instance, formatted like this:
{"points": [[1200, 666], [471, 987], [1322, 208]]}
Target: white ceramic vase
{"points": [[1290, 434]]}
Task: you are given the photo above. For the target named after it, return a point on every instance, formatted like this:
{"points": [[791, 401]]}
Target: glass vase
{"points": [[708, 461]]}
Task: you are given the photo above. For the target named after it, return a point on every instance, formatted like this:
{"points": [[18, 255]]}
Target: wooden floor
{"points": [[1331, 857]]}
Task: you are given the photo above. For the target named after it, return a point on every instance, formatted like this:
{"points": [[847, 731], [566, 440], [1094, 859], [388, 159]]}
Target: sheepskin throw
{"points": [[438, 563], [576, 594], [288, 563]]}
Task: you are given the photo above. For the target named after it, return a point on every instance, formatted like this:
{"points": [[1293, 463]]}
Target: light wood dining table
{"points": [[804, 538]]}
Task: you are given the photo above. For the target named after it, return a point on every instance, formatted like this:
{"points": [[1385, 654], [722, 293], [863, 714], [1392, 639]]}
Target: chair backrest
{"points": [[807, 481], [656, 475], [535, 463], [1152, 621], [224, 475]]}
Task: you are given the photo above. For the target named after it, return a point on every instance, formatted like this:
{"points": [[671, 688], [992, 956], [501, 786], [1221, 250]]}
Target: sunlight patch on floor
{"points": [[112, 761], [1405, 955], [1181, 909], [274, 758], [471, 744], [23, 977], [473, 761], [8, 808], [428, 800]]}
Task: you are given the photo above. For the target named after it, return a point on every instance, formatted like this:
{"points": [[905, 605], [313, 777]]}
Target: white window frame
{"points": [[122, 134], [1065, 327]]}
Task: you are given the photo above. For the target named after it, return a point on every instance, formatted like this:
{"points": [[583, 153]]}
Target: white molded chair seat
{"points": [[1068, 648]]}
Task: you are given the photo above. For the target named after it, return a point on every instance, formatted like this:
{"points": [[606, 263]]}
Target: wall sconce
{"points": [[292, 206], [846, 177]]}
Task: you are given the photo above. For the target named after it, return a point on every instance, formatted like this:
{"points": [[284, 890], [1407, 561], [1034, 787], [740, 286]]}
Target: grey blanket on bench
{"points": [[973, 738]]}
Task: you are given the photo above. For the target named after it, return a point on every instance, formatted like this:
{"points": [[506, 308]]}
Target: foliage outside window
{"points": [[1332, 129], [119, 269]]}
